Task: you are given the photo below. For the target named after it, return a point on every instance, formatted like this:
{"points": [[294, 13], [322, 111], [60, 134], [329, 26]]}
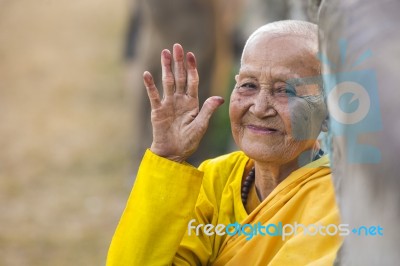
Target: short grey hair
{"points": [[304, 29]]}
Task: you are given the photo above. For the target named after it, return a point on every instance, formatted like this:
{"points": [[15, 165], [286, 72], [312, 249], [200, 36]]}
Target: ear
{"points": [[325, 123]]}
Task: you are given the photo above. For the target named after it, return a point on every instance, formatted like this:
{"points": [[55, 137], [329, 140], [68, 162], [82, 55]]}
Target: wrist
{"points": [[171, 157]]}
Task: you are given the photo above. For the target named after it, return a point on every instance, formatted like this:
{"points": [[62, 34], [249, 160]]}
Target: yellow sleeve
{"points": [[156, 217]]}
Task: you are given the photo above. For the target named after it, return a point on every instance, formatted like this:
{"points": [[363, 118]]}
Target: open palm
{"points": [[178, 124]]}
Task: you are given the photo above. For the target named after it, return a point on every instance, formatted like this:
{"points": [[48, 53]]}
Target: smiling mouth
{"points": [[262, 129]]}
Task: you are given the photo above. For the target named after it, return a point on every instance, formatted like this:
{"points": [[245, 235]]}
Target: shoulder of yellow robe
{"points": [[305, 197]]}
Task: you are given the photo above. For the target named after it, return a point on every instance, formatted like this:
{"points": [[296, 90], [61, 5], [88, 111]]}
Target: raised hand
{"points": [[178, 125]]}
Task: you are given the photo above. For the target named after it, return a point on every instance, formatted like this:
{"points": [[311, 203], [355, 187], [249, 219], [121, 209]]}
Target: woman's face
{"points": [[275, 113]]}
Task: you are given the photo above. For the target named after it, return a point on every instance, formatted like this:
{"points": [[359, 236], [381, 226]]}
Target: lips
{"points": [[262, 129]]}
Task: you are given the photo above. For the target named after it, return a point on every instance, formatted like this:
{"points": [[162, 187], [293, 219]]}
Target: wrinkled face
{"points": [[276, 112]]}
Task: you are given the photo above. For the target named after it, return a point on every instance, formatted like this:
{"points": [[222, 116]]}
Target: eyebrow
{"points": [[278, 75], [306, 81], [249, 73]]}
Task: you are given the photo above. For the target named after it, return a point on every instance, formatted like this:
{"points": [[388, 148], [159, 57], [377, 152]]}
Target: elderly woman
{"points": [[272, 202]]}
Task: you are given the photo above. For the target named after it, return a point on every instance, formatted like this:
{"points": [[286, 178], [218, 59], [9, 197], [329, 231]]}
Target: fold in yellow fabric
{"points": [[167, 196]]}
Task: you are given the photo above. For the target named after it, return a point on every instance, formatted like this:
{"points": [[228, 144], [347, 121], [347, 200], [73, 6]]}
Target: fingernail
{"points": [[219, 99], [191, 59], [147, 76], [166, 53], [177, 45]]}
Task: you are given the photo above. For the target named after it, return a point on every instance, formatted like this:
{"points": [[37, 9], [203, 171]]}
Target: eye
{"points": [[286, 90], [247, 86]]}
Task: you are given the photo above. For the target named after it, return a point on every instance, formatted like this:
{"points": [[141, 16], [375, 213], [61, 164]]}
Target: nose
{"points": [[263, 105]]}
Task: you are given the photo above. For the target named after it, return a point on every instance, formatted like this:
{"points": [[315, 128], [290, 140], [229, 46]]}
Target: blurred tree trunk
{"points": [[366, 168], [201, 27]]}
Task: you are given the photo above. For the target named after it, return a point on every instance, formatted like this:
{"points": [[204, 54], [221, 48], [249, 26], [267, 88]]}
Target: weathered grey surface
{"points": [[368, 193]]}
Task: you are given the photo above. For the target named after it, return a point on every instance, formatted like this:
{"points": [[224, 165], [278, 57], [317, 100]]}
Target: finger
{"points": [[209, 107], [179, 69], [193, 76], [167, 76], [152, 91]]}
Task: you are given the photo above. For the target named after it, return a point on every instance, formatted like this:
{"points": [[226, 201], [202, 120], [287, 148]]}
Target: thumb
{"points": [[209, 107]]}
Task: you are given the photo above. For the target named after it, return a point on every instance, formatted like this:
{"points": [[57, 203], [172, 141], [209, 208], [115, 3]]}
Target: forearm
{"points": [[156, 215]]}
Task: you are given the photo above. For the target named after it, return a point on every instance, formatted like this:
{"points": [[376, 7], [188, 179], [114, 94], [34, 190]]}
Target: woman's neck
{"points": [[269, 175]]}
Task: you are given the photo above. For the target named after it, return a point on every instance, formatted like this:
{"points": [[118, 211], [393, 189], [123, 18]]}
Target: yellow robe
{"points": [[167, 195]]}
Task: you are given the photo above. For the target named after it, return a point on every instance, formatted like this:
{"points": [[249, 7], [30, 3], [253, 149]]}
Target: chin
{"points": [[275, 152], [263, 153]]}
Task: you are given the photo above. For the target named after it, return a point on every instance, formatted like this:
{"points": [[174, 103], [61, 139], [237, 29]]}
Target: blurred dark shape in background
{"points": [[201, 27]]}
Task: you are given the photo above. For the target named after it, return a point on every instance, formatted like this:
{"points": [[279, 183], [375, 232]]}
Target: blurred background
{"points": [[64, 130], [74, 116]]}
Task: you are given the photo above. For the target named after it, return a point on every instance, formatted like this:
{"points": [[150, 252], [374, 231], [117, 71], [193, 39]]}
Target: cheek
{"points": [[300, 121], [305, 119], [236, 108]]}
